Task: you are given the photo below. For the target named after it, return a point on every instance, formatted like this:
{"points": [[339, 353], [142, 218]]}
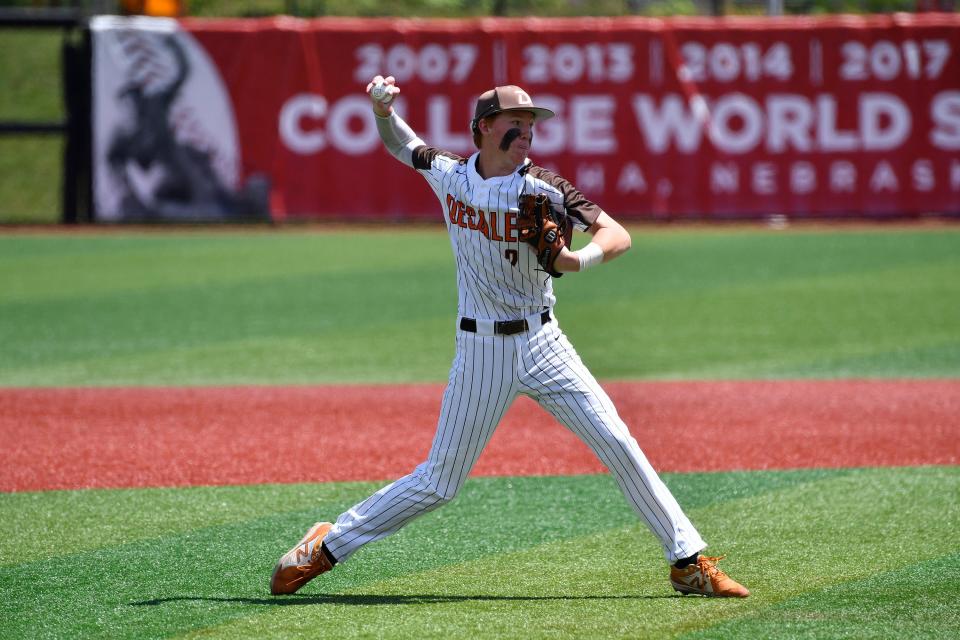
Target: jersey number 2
{"points": [[512, 256]]}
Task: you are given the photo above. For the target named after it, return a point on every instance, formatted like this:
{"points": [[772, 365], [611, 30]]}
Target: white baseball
{"points": [[379, 92]]}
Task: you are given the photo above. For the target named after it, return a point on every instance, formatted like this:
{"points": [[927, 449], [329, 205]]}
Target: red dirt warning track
{"points": [[137, 437]]}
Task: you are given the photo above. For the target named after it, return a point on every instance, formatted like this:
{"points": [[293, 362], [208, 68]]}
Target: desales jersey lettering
{"points": [[498, 277]]}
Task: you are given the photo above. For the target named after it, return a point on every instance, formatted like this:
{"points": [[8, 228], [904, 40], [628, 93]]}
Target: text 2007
{"points": [[431, 63]]}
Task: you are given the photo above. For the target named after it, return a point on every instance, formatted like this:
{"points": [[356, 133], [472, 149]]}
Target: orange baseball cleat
{"points": [[303, 563], [705, 578]]}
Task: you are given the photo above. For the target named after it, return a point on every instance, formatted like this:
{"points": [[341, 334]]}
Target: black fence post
{"points": [[77, 150]]}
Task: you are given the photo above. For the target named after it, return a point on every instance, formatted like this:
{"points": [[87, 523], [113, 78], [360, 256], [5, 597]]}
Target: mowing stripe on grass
{"points": [[538, 557], [290, 307], [101, 518]]}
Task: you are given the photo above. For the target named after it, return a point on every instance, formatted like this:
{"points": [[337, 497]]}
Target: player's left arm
{"points": [[608, 240]]}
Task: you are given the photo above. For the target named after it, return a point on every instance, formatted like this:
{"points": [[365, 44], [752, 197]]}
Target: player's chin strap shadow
{"points": [[301, 599]]}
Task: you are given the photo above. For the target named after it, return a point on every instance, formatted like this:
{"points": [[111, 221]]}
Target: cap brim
{"points": [[539, 113]]}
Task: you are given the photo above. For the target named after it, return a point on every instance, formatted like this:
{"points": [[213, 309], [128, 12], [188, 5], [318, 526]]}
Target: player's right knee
{"points": [[444, 494]]}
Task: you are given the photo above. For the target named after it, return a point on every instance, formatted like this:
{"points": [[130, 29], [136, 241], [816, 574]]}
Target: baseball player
{"points": [[508, 339]]}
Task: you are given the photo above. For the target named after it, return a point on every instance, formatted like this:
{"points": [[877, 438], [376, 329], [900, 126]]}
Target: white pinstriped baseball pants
{"points": [[488, 373]]}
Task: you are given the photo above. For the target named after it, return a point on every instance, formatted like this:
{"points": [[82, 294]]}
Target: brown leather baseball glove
{"points": [[543, 228]]}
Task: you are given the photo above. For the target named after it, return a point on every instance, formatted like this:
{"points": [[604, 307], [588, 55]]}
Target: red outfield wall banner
{"points": [[655, 118]]}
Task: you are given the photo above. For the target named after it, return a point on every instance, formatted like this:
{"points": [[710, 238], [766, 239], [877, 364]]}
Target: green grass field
{"points": [[867, 553], [316, 307], [841, 553]]}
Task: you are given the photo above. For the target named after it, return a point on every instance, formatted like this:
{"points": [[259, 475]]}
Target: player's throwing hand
{"points": [[382, 92]]}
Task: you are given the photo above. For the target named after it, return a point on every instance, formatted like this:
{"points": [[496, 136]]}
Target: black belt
{"points": [[503, 327]]}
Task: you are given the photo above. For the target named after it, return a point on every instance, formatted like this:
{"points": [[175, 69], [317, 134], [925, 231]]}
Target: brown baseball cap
{"points": [[506, 98]]}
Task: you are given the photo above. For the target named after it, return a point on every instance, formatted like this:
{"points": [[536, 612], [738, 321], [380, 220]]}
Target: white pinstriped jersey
{"points": [[498, 277]]}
